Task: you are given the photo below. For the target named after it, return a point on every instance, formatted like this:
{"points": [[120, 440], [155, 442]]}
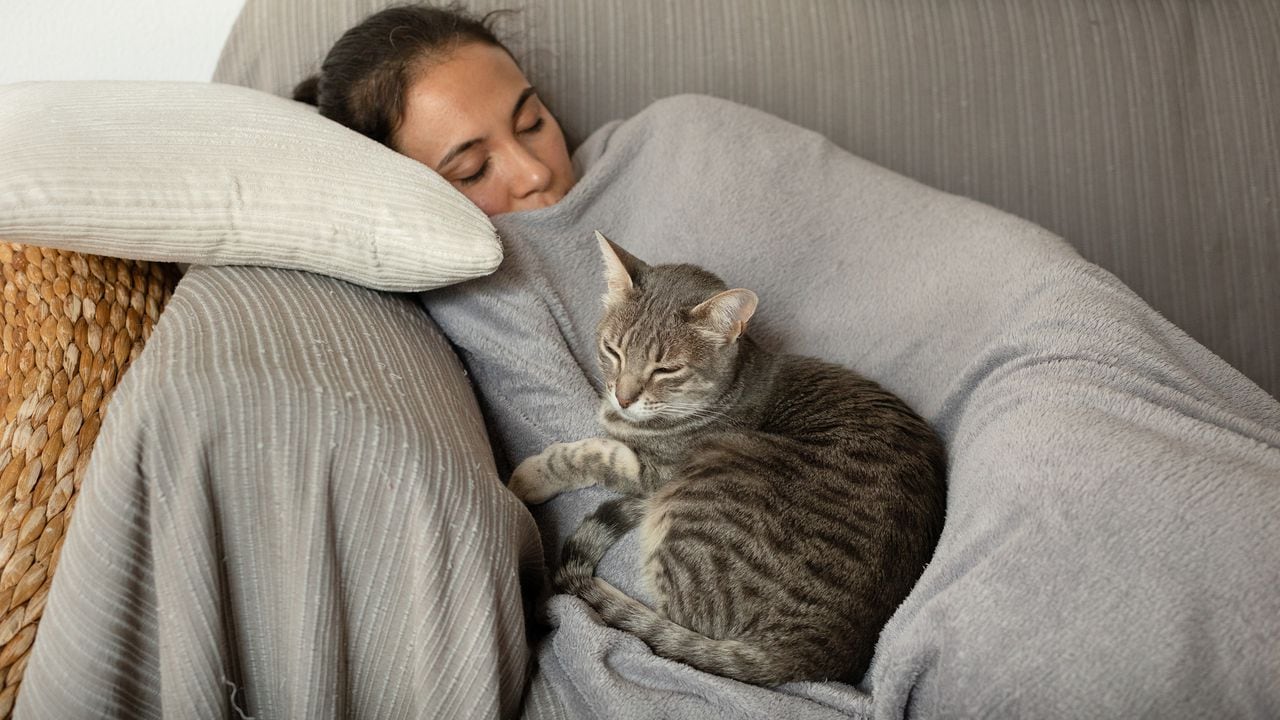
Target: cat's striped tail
{"points": [[583, 552]]}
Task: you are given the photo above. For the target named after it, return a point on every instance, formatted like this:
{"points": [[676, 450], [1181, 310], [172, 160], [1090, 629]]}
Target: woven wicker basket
{"points": [[72, 324]]}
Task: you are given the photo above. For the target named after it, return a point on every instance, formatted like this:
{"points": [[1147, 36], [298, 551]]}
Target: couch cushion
{"points": [[1145, 133]]}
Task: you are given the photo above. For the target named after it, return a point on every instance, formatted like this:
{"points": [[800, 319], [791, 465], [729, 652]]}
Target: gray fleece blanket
{"points": [[1111, 545]]}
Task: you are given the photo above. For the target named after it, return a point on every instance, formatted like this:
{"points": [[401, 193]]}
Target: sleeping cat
{"points": [[787, 505]]}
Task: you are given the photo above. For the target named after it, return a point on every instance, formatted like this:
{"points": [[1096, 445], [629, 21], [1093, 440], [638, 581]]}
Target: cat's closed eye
{"points": [[612, 352], [667, 370]]}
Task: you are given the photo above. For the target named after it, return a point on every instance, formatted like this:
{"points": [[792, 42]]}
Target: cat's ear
{"points": [[620, 269], [725, 316]]}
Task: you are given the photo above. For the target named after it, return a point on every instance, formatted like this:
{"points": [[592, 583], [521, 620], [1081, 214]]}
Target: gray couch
{"points": [[1145, 133]]}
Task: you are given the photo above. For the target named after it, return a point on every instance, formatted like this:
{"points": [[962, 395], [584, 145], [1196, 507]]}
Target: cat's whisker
{"points": [[691, 410], [696, 408], [701, 414]]}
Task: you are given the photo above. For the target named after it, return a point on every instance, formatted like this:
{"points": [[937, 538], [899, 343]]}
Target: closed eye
{"points": [[477, 176], [667, 370], [611, 352]]}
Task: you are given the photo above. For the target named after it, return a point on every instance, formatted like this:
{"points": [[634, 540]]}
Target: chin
{"points": [[611, 413]]}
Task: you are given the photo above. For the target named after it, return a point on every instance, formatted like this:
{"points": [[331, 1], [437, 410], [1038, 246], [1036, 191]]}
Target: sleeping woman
{"points": [[864, 489], [1054, 389], [849, 479], [438, 86], [447, 94]]}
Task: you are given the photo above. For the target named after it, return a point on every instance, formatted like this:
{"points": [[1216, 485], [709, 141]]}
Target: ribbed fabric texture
{"points": [[1147, 133], [278, 492], [223, 175]]}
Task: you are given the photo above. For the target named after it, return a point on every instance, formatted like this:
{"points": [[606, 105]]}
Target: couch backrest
{"points": [[1147, 133]]}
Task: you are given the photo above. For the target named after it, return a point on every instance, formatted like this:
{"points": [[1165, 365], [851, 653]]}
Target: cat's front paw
{"points": [[532, 482], [561, 467]]}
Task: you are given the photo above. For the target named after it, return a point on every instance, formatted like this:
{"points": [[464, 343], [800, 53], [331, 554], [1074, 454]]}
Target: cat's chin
{"points": [[611, 414]]}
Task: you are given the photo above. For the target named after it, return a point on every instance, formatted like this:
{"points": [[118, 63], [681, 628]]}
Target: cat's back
{"points": [[844, 433], [822, 401], [835, 491]]}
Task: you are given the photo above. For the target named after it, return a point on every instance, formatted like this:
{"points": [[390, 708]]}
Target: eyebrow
{"points": [[463, 147]]}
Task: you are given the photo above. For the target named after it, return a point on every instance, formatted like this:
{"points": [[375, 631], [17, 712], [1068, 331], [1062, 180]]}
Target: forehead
{"points": [[651, 329], [469, 93]]}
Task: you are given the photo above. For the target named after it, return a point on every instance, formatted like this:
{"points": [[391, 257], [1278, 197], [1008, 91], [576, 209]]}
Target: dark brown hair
{"points": [[363, 79]]}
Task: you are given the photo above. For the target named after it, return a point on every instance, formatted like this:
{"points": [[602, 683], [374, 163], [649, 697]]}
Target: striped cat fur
{"points": [[787, 505]]}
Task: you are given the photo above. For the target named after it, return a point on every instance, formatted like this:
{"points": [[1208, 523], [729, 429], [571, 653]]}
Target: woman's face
{"points": [[475, 119]]}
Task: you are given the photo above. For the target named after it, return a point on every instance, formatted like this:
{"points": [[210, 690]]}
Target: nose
{"points": [[529, 174], [627, 392]]}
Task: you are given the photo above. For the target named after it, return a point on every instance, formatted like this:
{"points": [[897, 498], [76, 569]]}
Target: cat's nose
{"points": [[627, 391]]}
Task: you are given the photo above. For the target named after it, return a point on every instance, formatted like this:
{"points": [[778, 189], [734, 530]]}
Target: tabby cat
{"points": [[786, 505]]}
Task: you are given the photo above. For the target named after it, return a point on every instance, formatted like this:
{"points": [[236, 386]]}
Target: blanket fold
{"points": [[1110, 542]]}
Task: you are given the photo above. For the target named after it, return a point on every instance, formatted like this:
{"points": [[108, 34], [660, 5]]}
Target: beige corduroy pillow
{"points": [[216, 174]]}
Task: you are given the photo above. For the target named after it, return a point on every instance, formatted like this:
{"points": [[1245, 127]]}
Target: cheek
{"points": [[553, 153], [665, 390], [692, 389], [486, 198]]}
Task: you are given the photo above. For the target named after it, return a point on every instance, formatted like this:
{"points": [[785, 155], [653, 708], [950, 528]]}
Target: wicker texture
{"points": [[72, 324]]}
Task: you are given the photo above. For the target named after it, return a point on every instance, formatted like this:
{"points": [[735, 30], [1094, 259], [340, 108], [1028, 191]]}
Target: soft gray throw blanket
{"points": [[1111, 542]]}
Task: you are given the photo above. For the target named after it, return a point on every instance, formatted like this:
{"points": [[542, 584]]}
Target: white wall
{"points": [[112, 39]]}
